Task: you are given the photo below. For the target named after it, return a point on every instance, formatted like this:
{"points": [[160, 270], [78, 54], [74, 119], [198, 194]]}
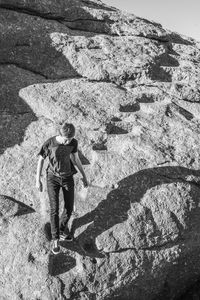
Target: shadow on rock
{"points": [[86, 248], [114, 209], [130, 107], [60, 263], [159, 74], [192, 293], [177, 39], [83, 159], [47, 231], [11, 207]]}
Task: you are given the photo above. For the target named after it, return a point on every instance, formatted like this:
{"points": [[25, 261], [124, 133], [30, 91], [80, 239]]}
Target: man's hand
{"points": [[39, 185], [85, 182]]}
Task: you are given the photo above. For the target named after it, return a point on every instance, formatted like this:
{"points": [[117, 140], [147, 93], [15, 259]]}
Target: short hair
{"points": [[67, 130]]}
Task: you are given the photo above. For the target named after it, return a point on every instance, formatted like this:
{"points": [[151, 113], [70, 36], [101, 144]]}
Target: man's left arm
{"points": [[76, 160]]}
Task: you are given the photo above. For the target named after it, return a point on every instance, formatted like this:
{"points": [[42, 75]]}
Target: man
{"points": [[61, 151]]}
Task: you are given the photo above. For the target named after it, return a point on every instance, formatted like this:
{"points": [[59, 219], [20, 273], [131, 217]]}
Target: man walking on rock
{"points": [[60, 150]]}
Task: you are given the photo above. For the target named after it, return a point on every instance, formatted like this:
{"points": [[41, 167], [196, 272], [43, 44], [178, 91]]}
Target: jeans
{"points": [[54, 183]]}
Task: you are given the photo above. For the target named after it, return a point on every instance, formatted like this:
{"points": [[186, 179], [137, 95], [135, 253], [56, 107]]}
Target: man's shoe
{"points": [[55, 247], [66, 237]]}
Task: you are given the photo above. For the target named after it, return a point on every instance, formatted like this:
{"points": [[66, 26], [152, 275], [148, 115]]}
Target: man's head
{"points": [[67, 132]]}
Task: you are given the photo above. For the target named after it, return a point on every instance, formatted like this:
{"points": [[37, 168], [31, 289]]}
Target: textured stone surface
{"points": [[132, 90]]}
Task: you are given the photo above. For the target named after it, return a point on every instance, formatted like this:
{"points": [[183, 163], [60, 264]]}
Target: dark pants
{"points": [[54, 183]]}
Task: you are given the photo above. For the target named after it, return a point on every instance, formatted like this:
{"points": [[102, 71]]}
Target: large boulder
{"points": [[132, 90]]}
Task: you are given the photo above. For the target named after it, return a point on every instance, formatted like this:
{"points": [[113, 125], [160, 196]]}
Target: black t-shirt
{"points": [[59, 156]]}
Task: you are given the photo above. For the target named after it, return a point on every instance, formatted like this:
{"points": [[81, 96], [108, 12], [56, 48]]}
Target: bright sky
{"points": [[182, 16]]}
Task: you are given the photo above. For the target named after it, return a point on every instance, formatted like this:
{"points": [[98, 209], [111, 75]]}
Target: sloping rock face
{"points": [[132, 90]]}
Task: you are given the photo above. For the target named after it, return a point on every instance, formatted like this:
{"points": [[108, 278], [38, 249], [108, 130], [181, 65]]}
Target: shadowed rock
{"points": [[83, 159], [9, 207], [47, 231], [117, 207], [60, 264]]}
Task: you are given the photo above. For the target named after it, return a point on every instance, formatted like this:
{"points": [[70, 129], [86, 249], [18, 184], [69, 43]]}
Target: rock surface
{"points": [[132, 90]]}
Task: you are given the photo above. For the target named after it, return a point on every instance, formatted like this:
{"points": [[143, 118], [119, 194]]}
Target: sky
{"points": [[181, 16]]}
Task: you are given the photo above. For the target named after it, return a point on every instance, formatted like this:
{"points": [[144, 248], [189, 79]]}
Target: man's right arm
{"points": [[39, 172]]}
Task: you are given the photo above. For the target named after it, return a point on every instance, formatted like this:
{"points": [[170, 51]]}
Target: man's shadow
{"points": [[114, 209]]}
